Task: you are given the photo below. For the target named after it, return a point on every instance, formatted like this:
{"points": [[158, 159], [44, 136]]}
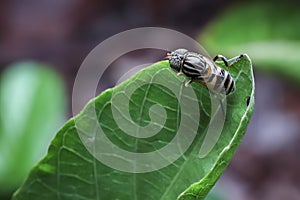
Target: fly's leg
{"points": [[179, 73], [187, 84], [220, 57], [225, 61]]}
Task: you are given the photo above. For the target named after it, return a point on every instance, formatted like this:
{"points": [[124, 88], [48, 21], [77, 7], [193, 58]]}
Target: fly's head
{"points": [[176, 59]]}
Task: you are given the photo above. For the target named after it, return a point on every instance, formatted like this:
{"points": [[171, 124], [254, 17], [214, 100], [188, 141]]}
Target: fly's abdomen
{"points": [[220, 81], [228, 84]]}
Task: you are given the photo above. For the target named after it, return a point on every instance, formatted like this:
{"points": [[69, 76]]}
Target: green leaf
{"points": [[267, 32], [32, 104], [69, 171]]}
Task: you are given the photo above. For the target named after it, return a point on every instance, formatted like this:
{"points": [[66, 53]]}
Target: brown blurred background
{"points": [[61, 33]]}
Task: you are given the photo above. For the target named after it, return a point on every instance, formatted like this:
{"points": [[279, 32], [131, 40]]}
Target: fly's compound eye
{"points": [[175, 61]]}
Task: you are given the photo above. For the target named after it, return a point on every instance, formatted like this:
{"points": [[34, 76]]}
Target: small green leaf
{"points": [[32, 104], [69, 171]]}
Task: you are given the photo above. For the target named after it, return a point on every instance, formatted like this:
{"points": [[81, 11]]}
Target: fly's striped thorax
{"points": [[194, 65]]}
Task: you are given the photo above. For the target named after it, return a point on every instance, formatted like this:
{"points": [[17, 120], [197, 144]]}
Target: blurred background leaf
{"points": [[268, 33], [32, 104]]}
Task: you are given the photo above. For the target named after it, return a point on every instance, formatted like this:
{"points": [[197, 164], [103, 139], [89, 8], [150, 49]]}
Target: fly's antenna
{"points": [[167, 56]]}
